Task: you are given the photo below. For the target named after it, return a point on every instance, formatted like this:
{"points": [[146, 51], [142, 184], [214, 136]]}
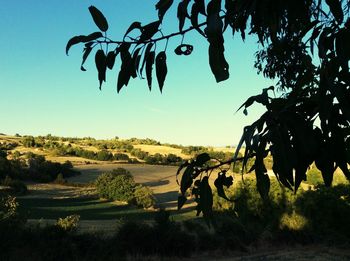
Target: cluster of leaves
{"points": [[315, 86], [137, 50], [192, 177]]}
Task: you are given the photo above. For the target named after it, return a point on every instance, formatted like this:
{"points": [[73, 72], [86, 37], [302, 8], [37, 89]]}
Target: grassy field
{"points": [[87, 208], [153, 149], [52, 201]]}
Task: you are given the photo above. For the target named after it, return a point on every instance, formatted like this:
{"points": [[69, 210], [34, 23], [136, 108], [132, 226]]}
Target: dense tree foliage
{"points": [[303, 44]]}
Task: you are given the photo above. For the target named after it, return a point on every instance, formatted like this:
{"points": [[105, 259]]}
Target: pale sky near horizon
{"points": [[43, 91]]}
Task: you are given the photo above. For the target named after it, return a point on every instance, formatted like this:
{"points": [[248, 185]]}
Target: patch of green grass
{"points": [[87, 208]]}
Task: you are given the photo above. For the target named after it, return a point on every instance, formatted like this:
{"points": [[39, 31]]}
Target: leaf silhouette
{"points": [[149, 68], [201, 6], [98, 18], [147, 51], [206, 200], [148, 31], [186, 179], [336, 9], [161, 69], [162, 6], [218, 64], [134, 25], [87, 51], [194, 18], [126, 67], [111, 59], [222, 181], [101, 65], [182, 13], [135, 62], [82, 39]]}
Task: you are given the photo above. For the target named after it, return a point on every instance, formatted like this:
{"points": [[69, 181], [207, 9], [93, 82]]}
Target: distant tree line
{"points": [[157, 158], [33, 167]]}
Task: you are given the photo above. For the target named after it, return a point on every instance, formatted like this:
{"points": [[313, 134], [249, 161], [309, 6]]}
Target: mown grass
{"points": [[87, 208], [90, 209]]}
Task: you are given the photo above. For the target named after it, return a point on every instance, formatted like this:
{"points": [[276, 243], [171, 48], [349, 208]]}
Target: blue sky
{"points": [[43, 90]]}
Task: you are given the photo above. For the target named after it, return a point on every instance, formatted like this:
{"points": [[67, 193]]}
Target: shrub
{"points": [[314, 177], [9, 215], [104, 155], [8, 208], [116, 185], [144, 197], [17, 186], [327, 210], [60, 179], [28, 141], [69, 223]]}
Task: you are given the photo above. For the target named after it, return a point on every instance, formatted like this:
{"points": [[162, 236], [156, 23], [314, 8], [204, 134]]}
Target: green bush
{"points": [[327, 210], [69, 223], [314, 177], [9, 216], [17, 186], [144, 197], [116, 185]]}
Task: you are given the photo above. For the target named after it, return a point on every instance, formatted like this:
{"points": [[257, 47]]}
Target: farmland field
{"points": [[51, 201]]}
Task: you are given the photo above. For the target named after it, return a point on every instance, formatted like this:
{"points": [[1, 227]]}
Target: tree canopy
{"points": [[303, 45]]}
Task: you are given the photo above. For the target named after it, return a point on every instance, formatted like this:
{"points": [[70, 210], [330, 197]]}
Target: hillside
{"points": [[90, 150]]}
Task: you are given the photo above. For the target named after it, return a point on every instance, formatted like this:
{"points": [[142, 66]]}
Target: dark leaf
{"points": [[101, 65], [214, 22], [336, 9], [222, 181], [162, 6], [93, 36], [194, 19], [149, 68], [201, 159], [98, 18], [308, 28], [111, 59], [262, 183], [82, 39], [186, 180], [135, 62], [182, 13], [322, 42], [147, 52], [201, 6], [181, 201], [87, 51], [342, 43], [218, 64], [148, 31], [161, 69], [184, 165], [206, 200], [126, 67], [134, 25]]}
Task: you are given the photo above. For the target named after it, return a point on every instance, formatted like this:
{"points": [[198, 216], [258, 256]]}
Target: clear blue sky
{"points": [[43, 90]]}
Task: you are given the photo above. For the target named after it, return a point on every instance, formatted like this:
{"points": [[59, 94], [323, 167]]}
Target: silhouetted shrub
{"points": [[327, 210], [17, 186]]}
